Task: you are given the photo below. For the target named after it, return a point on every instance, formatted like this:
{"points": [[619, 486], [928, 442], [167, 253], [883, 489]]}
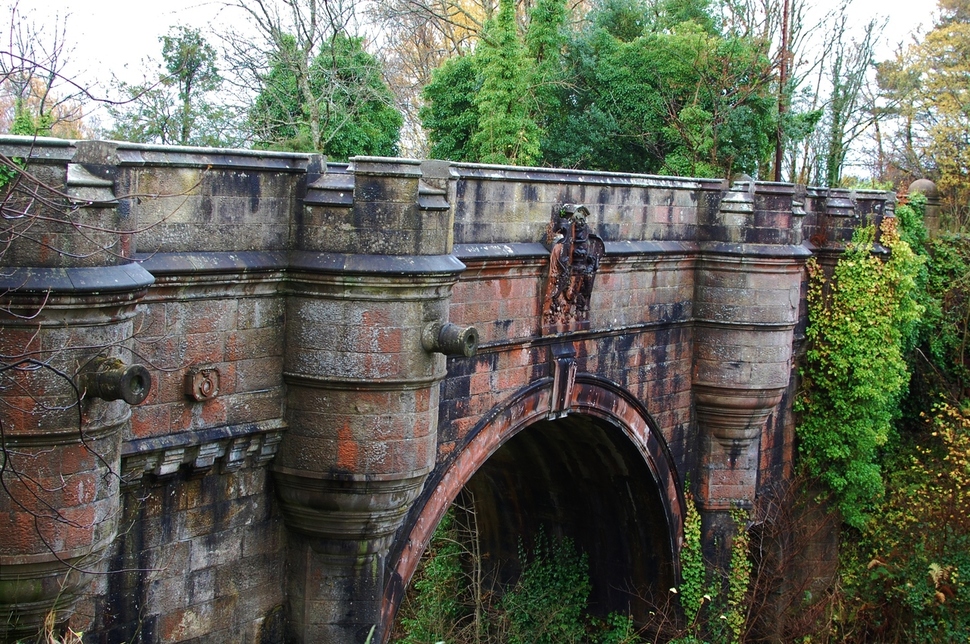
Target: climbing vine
{"points": [[855, 372], [693, 572], [906, 576]]}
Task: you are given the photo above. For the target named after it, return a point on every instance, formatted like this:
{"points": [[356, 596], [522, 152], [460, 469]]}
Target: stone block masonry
{"points": [[330, 353]]}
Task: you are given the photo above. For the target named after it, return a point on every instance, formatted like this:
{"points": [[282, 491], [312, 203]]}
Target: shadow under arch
{"points": [[603, 462]]}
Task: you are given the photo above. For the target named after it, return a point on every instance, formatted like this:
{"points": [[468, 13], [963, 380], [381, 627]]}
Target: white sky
{"points": [[112, 37]]}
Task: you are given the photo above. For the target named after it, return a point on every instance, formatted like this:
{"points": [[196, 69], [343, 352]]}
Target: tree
{"points": [[631, 93], [418, 37], [35, 96], [506, 131], [315, 86], [684, 99], [841, 101], [347, 111], [177, 107], [449, 114], [513, 79], [926, 92]]}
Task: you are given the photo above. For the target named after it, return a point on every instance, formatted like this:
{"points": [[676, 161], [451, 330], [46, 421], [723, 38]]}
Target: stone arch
{"points": [[596, 405]]}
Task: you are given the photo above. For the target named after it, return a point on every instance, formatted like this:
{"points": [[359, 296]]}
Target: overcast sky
{"points": [[113, 37]]}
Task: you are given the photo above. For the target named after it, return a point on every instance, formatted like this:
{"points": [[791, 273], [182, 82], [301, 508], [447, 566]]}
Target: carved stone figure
{"points": [[573, 262]]}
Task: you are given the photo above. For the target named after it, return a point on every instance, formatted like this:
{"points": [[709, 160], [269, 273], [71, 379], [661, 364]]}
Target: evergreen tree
{"points": [[506, 131], [633, 93], [449, 115], [344, 90]]}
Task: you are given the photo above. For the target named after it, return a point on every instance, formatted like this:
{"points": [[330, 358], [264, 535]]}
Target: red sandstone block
{"points": [[252, 313], [444, 449], [254, 406], [207, 316], [80, 489], [167, 593], [72, 529], [387, 340], [188, 623], [397, 427], [509, 380], [378, 317], [254, 343], [150, 420], [264, 538], [480, 383], [67, 459], [204, 348], [258, 374], [149, 322], [19, 341], [464, 425], [167, 387], [479, 311]]}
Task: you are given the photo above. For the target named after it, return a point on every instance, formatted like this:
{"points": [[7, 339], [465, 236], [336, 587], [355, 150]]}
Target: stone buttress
{"points": [[366, 326], [69, 291], [746, 306]]}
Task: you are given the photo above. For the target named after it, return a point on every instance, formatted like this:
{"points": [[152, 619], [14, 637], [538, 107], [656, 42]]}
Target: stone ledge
{"points": [[213, 262], [230, 446], [95, 279]]}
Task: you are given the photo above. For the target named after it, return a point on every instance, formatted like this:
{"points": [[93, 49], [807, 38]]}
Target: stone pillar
{"points": [[931, 218], [367, 319], [69, 292], [747, 290]]}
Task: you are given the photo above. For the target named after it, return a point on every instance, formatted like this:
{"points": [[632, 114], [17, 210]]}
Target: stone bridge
{"points": [[240, 389]]}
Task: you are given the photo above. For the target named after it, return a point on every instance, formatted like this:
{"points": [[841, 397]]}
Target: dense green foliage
{"points": [[635, 90], [714, 603], [546, 604], [506, 131], [855, 372], [438, 590], [344, 109], [680, 101], [902, 476], [906, 576], [693, 584]]}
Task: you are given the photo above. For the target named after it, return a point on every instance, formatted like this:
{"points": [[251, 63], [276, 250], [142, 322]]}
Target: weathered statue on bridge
{"points": [[573, 262]]}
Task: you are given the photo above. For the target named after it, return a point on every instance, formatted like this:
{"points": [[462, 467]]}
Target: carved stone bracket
{"points": [[563, 380], [574, 260], [231, 448]]}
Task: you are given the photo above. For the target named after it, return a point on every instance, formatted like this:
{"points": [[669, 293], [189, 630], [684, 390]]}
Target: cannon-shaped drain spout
{"points": [[450, 339], [112, 379]]}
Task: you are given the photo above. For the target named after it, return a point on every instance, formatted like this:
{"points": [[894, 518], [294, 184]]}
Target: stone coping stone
{"points": [[97, 279]]}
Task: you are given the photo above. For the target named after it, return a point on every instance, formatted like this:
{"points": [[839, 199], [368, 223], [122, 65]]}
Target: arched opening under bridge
{"points": [[601, 477]]}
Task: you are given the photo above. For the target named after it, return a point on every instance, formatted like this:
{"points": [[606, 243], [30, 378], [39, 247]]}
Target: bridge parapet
{"points": [[834, 214]]}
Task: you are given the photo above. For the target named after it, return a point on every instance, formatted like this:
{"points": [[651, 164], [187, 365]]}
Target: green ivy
{"points": [[739, 579], [855, 372], [548, 603], [693, 573], [714, 603], [437, 605]]}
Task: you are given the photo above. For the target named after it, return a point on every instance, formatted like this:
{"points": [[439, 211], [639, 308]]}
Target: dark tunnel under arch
{"points": [[578, 477], [601, 476]]}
